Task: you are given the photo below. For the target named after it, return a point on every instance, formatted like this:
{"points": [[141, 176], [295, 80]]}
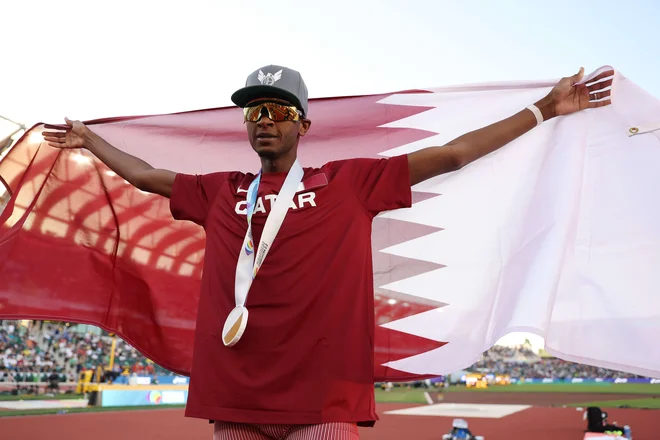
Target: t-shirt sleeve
{"points": [[193, 195], [380, 184]]}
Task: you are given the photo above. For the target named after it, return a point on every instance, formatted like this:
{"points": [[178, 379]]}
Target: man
{"points": [[285, 328]]}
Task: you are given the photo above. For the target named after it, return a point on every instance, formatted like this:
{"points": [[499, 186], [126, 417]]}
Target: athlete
{"points": [[285, 328]]}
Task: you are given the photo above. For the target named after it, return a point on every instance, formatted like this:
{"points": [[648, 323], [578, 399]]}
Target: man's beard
{"points": [[270, 155]]}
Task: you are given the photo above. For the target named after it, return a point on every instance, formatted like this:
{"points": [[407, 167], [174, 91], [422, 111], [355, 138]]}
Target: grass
{"points": [[651, 403], [616, 388], [416, 395], [39, 412], [401, 395]]}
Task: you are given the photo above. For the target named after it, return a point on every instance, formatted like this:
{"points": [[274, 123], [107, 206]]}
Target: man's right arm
{"points": [[136, 171]]}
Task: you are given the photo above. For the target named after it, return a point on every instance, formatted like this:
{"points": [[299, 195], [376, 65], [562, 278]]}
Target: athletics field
{"points": [[538, 411]]}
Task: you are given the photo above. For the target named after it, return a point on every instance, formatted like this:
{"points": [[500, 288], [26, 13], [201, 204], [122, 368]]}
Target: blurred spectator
{"points": [[522, 362], [32, 351], [40, 351]]}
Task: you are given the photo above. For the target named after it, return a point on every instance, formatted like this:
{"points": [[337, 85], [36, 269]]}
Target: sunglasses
{"points": [[276, 112]]}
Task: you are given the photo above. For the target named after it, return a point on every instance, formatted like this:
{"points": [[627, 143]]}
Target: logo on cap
{"points": [[269, 79]]}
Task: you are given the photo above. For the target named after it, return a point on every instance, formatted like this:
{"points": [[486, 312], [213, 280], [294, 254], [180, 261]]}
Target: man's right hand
{"points": [[136, 171], [72, 137]]}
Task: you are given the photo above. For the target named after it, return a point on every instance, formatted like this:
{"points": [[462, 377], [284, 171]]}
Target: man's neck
{"points": [[277, 165]]}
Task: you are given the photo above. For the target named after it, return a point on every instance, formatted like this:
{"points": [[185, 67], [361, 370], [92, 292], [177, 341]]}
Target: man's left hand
{"points": [[566, 97], [569, 97]]}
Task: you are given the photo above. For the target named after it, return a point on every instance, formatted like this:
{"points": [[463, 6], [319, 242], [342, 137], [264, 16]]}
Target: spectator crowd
{"points": [[32, 351], [522, 362]]}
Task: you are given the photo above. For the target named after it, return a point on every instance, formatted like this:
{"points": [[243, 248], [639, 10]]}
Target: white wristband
{"points": [[539, 116]]}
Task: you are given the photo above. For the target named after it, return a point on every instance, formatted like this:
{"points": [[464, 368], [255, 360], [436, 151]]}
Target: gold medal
{"points": [[250, 258], [234, 326]]}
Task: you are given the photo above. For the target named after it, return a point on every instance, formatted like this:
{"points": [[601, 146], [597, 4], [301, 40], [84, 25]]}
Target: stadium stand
{"points": [[49, 356], [41, 355], [522, 362]]}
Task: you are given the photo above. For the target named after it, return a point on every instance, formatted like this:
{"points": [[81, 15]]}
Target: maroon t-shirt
{"points": [[307, 353]]}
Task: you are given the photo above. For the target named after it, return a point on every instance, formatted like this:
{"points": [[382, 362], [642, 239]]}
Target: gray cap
{"points": [[273, 82]]}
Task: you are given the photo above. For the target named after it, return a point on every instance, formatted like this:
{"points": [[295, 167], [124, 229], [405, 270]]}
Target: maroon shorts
{"points": [[248, 431]]}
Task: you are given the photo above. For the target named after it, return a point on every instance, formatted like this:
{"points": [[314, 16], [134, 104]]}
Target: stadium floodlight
{"points": [[6, 142], [22, 126]]}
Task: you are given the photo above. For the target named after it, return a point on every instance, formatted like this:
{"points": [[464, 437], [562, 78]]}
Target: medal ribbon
{"points": [[248, 266]]}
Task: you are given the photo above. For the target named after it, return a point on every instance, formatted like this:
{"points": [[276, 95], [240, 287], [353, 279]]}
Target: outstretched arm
{"points": [[136, 171], [565, 98]]}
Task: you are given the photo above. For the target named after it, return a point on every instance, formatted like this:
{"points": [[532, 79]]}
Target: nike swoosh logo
{"points": [[239, 190]]}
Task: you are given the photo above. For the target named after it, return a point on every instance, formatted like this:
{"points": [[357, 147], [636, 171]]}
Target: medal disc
{"points": [[234, 326]]}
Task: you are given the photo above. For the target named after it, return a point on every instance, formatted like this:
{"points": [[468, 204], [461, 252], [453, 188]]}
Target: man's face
{"points": [[271, 139]]}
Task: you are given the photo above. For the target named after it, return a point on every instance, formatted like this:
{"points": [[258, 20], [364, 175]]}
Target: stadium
{"points": [[68, 374], [62, 379], [525, 206]]}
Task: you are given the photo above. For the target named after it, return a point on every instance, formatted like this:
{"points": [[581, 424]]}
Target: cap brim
{"points": [[242, 96]]}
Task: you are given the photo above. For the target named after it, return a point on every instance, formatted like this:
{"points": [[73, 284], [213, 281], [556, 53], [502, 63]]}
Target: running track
{"points": [[536, 423]]}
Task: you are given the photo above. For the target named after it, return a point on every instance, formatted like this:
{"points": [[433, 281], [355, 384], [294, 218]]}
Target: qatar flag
{"points": [[557, 233]]}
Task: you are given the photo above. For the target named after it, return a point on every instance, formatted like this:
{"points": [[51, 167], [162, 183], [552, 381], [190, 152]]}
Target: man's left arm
{"points": [[566, 97]]}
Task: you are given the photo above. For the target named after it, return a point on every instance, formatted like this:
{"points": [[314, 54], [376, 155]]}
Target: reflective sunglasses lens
{"points": [[276, 112], [253, 114]]}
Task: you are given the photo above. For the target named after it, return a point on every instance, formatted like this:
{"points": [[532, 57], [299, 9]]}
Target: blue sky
{"points": [[123, 57], [89, 59]]}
